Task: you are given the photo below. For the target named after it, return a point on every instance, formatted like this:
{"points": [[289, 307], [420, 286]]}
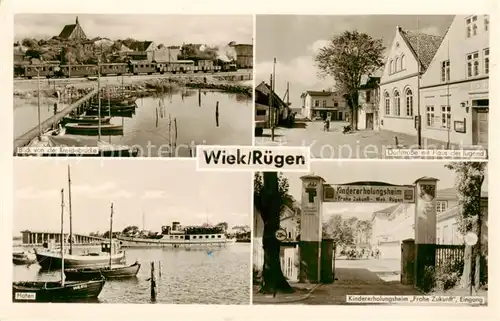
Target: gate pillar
{"points": [[311, 229], [425, 228]]}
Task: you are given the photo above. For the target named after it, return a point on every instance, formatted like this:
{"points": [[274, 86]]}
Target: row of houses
{"points": [[442, 80], [144, 50]]}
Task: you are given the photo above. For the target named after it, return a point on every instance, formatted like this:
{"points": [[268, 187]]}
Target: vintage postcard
{"points": [[380, 86], [171, 241], [408, 233], [131, 85]]}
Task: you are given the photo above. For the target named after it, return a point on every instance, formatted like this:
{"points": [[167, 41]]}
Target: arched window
{"points": [[397, 103], [391, 69], [387, 100], [402, 62], [396, 65], [409, 102]]}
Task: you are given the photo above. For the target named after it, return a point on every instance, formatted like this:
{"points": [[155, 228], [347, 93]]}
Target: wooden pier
{"points": [[26, 138]]}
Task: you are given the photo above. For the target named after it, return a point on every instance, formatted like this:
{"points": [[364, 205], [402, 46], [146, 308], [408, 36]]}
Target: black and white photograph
{"points": [[355, 86], [84, 231], [345, 234], [131, 85]]}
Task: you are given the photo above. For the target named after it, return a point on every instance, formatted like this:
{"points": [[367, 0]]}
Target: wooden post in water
{"points": [[159, 269], [153, 282], [217, 114], [199, 97], [175, 136]]}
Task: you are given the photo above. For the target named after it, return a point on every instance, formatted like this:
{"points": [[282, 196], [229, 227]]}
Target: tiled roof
{"points": [[140, 45], [265, 90], [319, 93], [67, 31], [423, 45]]}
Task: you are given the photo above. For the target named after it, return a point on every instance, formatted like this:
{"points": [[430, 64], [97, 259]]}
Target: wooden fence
{"points": [[449, 254]]}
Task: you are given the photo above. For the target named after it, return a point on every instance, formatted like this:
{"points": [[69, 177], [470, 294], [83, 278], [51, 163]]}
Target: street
{"points": [[335, 144]]}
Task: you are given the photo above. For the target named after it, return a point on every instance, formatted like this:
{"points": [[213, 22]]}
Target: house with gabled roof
{"points": [[73, 32], [410, 55], [324, 104], [392, 225], [455, 87], [142, 50]]}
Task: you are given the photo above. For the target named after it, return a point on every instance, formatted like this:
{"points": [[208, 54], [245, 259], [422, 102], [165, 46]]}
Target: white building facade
{"points": [[455, 87], [409, 57], [324, 104]]}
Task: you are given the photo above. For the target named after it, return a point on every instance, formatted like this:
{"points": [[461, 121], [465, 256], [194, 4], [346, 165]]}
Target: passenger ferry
{"points": [[176, 236]]}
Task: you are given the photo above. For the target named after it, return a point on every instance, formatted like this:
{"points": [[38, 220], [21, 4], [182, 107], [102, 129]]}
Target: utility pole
{"points": [[273, 84], [271, 111], [419, 116]]}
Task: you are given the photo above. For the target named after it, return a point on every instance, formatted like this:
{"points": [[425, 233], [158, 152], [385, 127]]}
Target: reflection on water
{"points": [[187, 277], [184, 117]]}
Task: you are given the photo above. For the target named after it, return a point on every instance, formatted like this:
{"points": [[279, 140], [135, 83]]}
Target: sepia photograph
{"points": [[115, 238], [360, 86], [349, 234], [131, 85]]}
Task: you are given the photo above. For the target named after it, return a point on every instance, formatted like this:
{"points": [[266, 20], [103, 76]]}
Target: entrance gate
{"points": [[315, 192]]}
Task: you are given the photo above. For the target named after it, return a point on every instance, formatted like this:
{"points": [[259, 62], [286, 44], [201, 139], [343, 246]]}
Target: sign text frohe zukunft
{"points": [[369, 193]]}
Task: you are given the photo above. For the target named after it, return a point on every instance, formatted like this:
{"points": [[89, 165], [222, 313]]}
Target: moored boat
{"points": [[53, 260], [129, 113], [57, 291], [23, 258], [108, 272], [176, 236], [93, 129], [85, 119], [105, 108]]}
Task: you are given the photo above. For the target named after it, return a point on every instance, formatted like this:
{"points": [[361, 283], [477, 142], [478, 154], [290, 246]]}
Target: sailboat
{"points": [[54, 260], [57, 291], [109, 272]]}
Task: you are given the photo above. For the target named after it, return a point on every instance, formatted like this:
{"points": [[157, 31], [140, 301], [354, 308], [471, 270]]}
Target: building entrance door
{"points": [[480, 126], [369, 121]]}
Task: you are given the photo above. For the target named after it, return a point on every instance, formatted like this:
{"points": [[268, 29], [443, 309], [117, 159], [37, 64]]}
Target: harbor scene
{"points": [[129, 97], [129, 242]]}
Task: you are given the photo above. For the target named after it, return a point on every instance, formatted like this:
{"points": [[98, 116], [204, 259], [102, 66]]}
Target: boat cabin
{"points": [[105, 247]]}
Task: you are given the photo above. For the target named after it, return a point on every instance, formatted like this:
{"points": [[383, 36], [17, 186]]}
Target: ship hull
{"points": [[190, 244], [49, 260]]}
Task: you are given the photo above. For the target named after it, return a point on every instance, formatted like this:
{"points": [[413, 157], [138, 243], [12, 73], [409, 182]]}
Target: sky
{"points": [[393, 172], [294, 41], [164, 191], [166, 29]]}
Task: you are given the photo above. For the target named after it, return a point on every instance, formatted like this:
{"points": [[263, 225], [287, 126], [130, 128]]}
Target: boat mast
{"points": [[38, 105], [110, 235], [62, 237], [99, 96], [70, 214]]}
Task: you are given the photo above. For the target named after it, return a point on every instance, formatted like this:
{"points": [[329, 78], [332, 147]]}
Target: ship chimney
{"points": [[76, 19]]}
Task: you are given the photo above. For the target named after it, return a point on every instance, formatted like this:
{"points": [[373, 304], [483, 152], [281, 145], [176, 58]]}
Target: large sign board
{"points": [[369, 193]]}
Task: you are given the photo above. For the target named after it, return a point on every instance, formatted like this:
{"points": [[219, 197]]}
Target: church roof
{"points": [[67, 31]]}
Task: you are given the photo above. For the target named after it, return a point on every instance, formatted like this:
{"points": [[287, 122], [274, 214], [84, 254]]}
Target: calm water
{"points": [[188, 277], [154, 120]]}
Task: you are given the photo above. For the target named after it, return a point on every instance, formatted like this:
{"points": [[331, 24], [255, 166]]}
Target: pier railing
{"points": [[26, 138]]}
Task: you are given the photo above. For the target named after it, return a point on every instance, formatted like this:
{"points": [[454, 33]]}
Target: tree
{"points": [[340, 230], [347, 58], [131, 229], [469, 180], [223, 226], [270, 197]]}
